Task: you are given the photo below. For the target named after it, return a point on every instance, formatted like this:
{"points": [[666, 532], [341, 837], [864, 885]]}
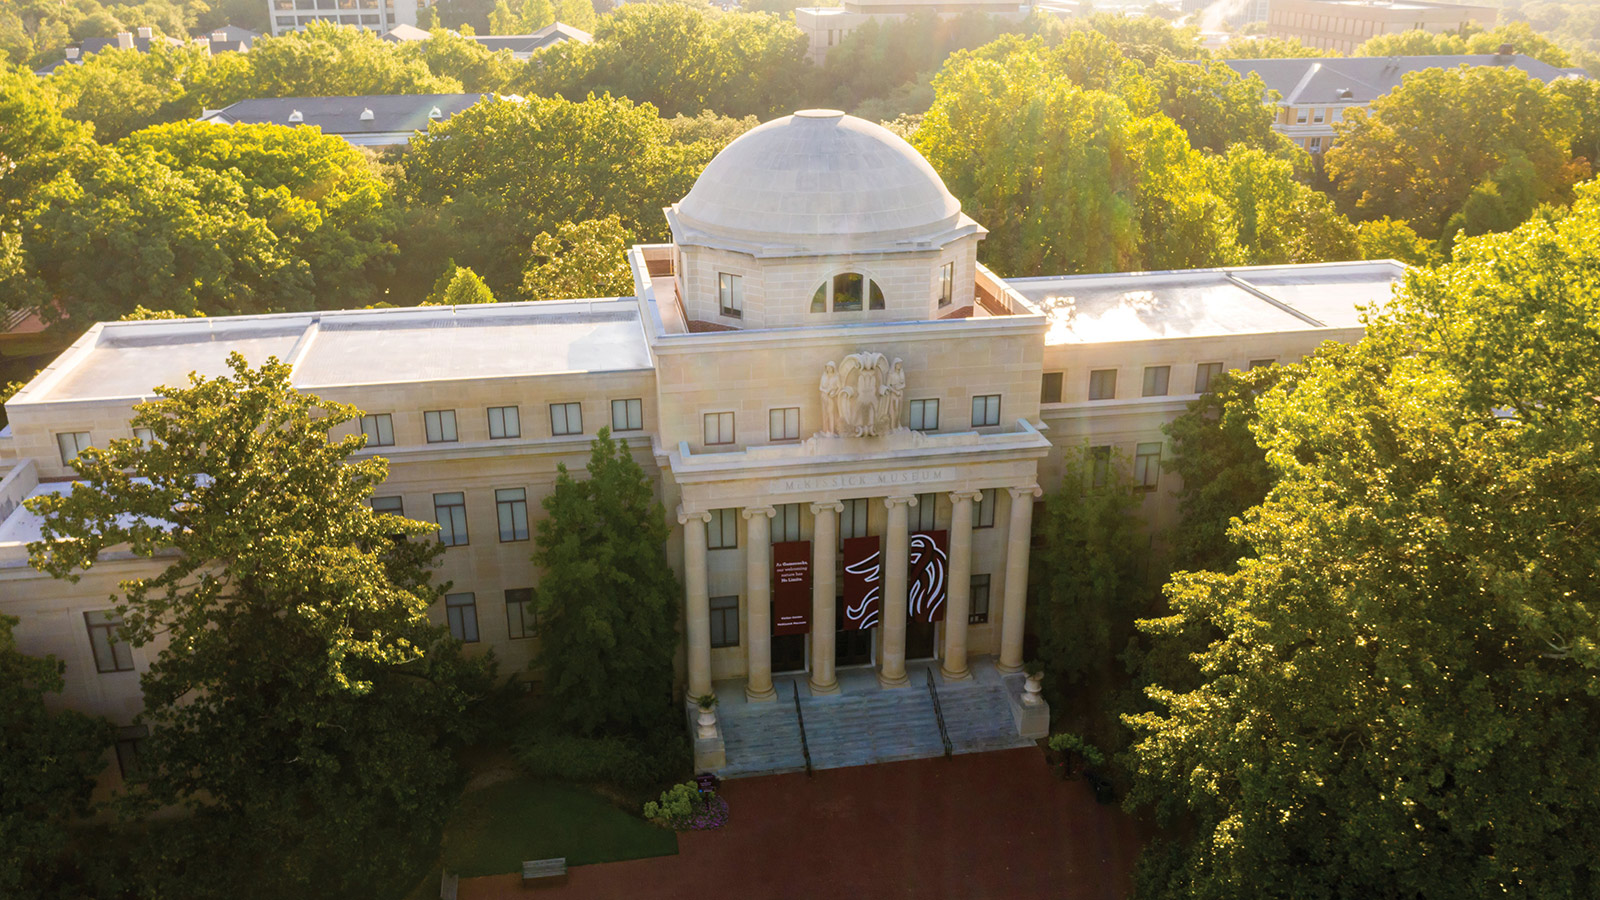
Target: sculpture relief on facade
{"points": [[862, 395]]}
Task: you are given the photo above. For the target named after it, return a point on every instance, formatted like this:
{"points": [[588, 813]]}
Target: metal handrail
{"points": [[805, 747], [938, 714]]}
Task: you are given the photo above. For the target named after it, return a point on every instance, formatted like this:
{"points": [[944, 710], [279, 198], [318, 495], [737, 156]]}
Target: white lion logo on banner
{"points": [[862, 395], [927, 591]]}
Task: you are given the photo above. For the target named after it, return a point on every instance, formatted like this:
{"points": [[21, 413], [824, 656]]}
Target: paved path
{"points": [[975, 826]]}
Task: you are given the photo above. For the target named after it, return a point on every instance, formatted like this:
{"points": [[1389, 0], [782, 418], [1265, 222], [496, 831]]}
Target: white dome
{"points": [[818, 180]]}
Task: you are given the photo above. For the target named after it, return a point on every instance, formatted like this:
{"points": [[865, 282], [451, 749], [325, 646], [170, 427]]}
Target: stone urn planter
{"points": [[706, 721], [1033, 685]]}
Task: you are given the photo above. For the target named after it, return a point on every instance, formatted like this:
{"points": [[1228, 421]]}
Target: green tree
{"points": [[1278, 219], [582, 259], [1584, 96], [1401, 699], [607, 601], [1421, 151], [885, 67], [1214, 106], [303, 707], [459, 286], [1269, 48], [577, 13], [1388, 238], [323, 60], [481, 186], [1089, 575], [48, 760], [450, 56], [1523, 39], [1415, 42], [121, 91]]}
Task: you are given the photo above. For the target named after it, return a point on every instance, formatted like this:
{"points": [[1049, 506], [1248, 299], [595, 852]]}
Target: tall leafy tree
{"points": [[303, 707], [451, 56], [1277, 218], [607, 601], [1268, 48], [1402, 698], [582, 259], [48, 762], [121, 91], [459, 286], [1421, 151]]}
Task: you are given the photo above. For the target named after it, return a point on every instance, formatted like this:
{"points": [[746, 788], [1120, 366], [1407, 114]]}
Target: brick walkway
{"points": [[984, 825]]}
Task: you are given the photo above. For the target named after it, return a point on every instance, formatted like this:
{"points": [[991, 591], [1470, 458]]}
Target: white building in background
{"points": [[382, 120], [826, 26], [849, 420], [372, 15]]}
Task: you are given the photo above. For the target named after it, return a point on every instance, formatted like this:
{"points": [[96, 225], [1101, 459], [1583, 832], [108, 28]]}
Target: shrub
{"points": [[684, 808], [660, 757], [1075, 753]]}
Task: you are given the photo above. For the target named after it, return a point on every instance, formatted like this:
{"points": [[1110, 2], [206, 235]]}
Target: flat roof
{"points": [[125, 360], [1208, 302]]}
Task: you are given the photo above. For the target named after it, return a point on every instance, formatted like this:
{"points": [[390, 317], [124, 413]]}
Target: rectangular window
{"points": [[111, 652], [730, 294], [379, 430], [786, 522], [724, 621], [1099, 465], [985, 410], [718, 428], [520, 616], [979, 610], [1316, 118], [144, 436], [391, 505], [925, 415], [1261, 363], [130, 744], [1155, 380], [784, 424], [72, 443], [1147, 466], [566, 418], [512, 506], [947, 284], [440, 425], [925, 513], [1316, 145], [504, 422], [1103, 384], [722, 532], [983, 510], [1203, 374], [853, 519], [462, 611], [1301, 115], [1050, 388], [627, 415], [450, 511]]}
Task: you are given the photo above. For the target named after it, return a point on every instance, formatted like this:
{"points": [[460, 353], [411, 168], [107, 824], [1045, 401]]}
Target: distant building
{"points": [[372, 15], [826, 26], [522, 46], [230, 39], [1344, 25], [140, 40], [1312, 94], [373, 121]]}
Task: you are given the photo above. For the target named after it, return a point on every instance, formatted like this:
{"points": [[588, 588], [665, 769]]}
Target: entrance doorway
{"points": [[851, 647], [919, 639], [788, 653]]}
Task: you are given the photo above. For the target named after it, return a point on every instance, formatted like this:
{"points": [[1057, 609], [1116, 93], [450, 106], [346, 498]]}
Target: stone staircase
{"points": [[865, 724]]}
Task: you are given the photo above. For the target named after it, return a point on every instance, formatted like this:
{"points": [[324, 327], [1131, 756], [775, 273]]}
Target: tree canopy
{"points": [[1401, 696], [301, 704]]}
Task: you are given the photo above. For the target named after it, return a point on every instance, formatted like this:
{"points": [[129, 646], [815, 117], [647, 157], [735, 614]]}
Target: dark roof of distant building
{"points": [[90, 46], [390, 114], [520, 45], [229, 39], [1366, 78]]}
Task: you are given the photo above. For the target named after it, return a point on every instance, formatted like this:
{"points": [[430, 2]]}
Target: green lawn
{"points": [[498, 827]]}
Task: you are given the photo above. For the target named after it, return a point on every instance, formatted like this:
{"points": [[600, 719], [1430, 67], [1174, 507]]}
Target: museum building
{"points": [[850, 420]]}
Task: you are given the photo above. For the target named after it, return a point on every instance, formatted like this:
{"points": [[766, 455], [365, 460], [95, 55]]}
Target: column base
{"points": [[964, 675], [1008, 669], [818, 690], [900, 681], [755, 696]]}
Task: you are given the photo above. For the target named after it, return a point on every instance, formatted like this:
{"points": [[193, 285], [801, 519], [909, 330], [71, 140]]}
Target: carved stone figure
{"points": [[862, 395]]}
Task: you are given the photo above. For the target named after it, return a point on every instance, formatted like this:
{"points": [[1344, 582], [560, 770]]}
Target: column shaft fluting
{"points": [[824, 592], [958, 602], [1019, 534], [758, 602], [896, 560], [697, 604]]}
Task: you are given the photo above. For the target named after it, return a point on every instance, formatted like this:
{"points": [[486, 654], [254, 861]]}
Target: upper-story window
{"points": [[730, 294], [784, 424], [440, 425], [925, 415], [72, 443], [1301, 115], [504, 422], [947, 284], [1155, 380], [379, 429], [1203, 373], [1103, 384], [718, 428], [566, 418], [144, 435], [844, 293], [1050, 387], [985, 410], [627, 415]]}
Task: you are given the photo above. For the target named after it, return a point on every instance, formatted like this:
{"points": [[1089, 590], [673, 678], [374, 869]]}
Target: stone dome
{"points": [[822, 181]]}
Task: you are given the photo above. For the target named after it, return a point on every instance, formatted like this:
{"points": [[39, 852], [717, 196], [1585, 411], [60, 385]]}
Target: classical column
{"points": [[1019, 534], [697, 605], [958, 600], [824, 592], [896, 560], [758, 601]]}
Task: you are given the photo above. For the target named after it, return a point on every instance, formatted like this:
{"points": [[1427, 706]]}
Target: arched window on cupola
{"points": [[843, 293]]}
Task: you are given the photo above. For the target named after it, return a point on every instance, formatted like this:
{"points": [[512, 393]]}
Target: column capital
{"points": [[684, 516], [969, 496], [751, 511], [907, 499], [1027, 490], [834, 505]]}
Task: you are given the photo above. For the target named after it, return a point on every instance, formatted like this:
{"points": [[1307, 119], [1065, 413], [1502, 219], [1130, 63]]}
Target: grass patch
{"points": [[494, 829]]}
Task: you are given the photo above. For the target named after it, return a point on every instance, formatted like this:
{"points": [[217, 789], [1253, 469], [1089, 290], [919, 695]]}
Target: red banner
{"points": [[791, 587], [863, 583], [927, 578]]}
